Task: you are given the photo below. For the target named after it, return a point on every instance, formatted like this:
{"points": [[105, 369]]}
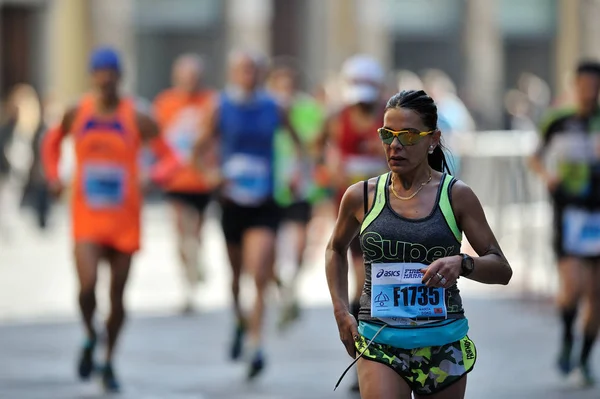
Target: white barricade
{"points": [[494, 164]]}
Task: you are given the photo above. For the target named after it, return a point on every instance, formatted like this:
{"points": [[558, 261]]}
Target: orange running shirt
{"points": [[107, 198], [179, 116]]}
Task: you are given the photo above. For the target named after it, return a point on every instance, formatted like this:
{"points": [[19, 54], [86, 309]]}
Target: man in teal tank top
{"points": [[295, 189], [293, 178]]}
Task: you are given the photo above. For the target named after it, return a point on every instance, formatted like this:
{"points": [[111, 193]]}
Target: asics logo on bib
{"points": [[388, 273], [377, 249], [408, 273]]}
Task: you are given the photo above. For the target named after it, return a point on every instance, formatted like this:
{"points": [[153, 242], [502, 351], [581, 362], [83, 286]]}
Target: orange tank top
{"points": [[106, 192], [180, 116]]}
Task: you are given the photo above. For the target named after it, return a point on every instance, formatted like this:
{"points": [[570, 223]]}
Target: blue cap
{"points": [[105, 58]]}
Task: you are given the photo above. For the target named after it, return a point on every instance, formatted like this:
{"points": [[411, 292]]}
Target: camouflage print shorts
{"points": [[426, 370]]}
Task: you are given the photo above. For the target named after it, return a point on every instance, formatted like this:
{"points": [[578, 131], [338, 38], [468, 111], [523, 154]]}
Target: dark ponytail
{"points": [[437, 160], [419, 102]]}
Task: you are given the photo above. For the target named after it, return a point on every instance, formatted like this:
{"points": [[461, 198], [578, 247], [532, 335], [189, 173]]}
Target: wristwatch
{"points": [[467, 265]]}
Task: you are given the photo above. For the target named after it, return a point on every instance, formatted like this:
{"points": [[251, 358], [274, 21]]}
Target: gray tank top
{"points": [[387, 237]]}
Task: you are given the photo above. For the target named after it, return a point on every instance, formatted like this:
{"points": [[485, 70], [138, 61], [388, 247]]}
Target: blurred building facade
{"points": [[483, 45]]}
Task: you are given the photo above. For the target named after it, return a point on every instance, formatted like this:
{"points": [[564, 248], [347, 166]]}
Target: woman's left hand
{"points": [[443, 272]]}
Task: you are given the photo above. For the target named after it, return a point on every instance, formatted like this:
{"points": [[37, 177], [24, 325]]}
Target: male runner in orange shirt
{"points": [[108, 133]]}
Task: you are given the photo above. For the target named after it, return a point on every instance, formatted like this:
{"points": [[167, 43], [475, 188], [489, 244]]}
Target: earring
{"points": [[431, 149]]}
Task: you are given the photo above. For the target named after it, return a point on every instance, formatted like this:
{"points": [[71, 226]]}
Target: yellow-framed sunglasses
{"points": [[405, 137]]}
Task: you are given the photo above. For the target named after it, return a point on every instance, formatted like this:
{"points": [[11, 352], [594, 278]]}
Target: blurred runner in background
{"points": [[568, 161], [295, 190], [350, 145], [245, 121], [179, 112]]}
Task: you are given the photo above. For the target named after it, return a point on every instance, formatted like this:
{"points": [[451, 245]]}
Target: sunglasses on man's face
{"points": [[405, 137]]}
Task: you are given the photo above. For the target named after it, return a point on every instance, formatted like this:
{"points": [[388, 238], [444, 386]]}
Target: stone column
{"points": [[590, 29], [484, 68], [68, 49], [113, 25], [341, 35], [372, 33], [249, 25], [568, 42], [315, 46]]}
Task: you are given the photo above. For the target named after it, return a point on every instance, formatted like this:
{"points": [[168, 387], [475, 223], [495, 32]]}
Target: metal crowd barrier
{"points": [[494, 164]]}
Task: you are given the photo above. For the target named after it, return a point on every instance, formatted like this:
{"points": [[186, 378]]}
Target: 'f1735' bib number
{"points": [[397, 293]]}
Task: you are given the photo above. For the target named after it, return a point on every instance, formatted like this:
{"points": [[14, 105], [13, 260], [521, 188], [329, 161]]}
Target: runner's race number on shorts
{"points": [[397, 292], [581, 231]]}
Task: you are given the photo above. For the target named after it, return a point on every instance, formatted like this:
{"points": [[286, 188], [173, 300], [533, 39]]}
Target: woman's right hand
{"points": [[348, 329], [347, 227]]}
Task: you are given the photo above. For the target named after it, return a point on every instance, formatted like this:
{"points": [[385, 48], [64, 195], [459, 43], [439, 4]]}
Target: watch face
{"points": [[468, 263]]}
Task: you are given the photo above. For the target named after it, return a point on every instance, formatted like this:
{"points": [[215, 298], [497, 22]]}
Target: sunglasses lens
{"points": [[386, 136], [410, 138]]}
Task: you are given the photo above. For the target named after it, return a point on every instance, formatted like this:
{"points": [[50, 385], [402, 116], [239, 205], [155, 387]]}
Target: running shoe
{"points": [[289, 314], [237, 343], [564, 359], [188, 309], [257, 364], [109, 380], [86, 359], [587, 379]]}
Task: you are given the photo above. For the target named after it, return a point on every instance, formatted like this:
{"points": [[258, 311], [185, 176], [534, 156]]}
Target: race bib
{"points": [[103, 185], [183, 132], [182, 144], [398, 294], [248, 179], [581, 232]]}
